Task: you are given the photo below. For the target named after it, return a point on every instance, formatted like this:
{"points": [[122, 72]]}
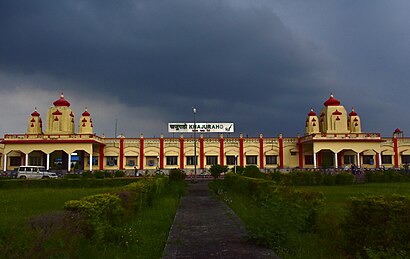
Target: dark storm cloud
{"points": [[236, 63]]}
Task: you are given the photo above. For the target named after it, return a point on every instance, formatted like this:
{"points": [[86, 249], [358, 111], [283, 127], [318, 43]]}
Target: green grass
{"points": [[336, 196], [18, 205], [327, 239], [144, 236]]}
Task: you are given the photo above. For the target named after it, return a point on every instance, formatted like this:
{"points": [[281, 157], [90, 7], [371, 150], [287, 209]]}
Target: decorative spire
{"points": [[353, 112], [35, 113], [332, 101], [86, 113], [61, 101], [312, 112]]}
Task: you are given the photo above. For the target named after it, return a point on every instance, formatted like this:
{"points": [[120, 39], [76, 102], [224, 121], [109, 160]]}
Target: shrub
{"points": [[252, 171], [378, 225], [108, 174], [176, 175], [102, 212], [217, 170], [99, 174], [119, 173], [72, 176], [87, 174]]}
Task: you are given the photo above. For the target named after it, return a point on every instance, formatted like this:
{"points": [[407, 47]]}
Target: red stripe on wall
{"points": [[101, 157], [181, 153], [261, 155], [141, 153], [221, 151], [396, 153], [161, 153], [201, 153], [280, 152], [121, 153], [241, 161]]}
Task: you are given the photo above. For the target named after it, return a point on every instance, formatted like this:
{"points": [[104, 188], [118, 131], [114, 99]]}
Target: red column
{"points": [[377, 160], [141, 152], [261, 155], [241, 161], [396, 152], [300, 152], [201, 152], [280, 151], [221, 150], [121, 153], [161, 152], [101, 157], [181, 152]]}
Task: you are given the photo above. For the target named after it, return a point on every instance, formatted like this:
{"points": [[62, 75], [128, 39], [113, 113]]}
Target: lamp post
{"points": [[194, 112]]}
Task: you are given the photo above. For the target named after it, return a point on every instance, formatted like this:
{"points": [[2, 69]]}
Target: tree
{"points": [[217, 170]]}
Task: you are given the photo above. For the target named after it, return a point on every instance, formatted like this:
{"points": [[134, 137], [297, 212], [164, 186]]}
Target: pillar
{"points": [[161, 152], [201, 152], [141, 152], [121, 152], [91, 158], [314, 160], [221, 150], [101, 154], [26, 160], [358, 159], [396, 152], [336, 160], [241, 160], [69, 162], [280, 151], [181, 152], [261, 154], [5, 163], [379, 155], [47, 161]]}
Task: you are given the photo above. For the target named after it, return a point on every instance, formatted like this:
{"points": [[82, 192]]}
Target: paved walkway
{"points": [[205, 227]]}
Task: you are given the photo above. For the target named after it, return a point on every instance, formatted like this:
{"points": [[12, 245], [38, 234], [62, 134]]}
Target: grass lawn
{"points": [[336, 196], [18, 205], [144, 236]]}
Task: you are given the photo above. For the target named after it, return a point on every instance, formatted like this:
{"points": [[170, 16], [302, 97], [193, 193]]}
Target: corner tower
{"points": [[312, 123], [60, 118], [35, 123], [85, 126]]}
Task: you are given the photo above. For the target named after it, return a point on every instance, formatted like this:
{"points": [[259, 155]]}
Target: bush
{"points": [[378, 225], [176, 175], [72, 176], [274, 215], [102, 212], [119, 173], [87, 174], [252, 171], [99, 174], [217, 170]]}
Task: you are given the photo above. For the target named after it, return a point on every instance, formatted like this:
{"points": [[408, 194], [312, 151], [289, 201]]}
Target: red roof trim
{"points": [[337, 113], [57, 112], [61, 102], [331, 101]]}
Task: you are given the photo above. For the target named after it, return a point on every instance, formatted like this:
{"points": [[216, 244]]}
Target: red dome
{"points": [[397, 130], [332, 101], [35, 113], [312, 113], [86, 113], [353, 113], [61, 102]]}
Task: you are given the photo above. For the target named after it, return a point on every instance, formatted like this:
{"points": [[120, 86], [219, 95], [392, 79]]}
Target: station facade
{"points": [[332, 139]]}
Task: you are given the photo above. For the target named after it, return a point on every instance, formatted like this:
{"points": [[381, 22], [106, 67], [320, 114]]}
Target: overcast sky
{"points": [[259, 64]]}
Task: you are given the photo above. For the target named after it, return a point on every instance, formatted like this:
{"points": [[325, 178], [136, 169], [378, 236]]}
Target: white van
{"points": [[34, 172]]}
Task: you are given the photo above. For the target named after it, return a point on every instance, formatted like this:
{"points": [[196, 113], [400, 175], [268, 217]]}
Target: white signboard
{"points": [[200, 127]]}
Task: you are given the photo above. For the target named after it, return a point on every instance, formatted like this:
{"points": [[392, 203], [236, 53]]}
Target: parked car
{"points": [[34, 172]]}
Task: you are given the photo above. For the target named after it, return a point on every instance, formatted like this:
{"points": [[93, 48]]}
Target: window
{"points": [[15, 161], [387, 159], [172, 160], [309, 160], [152, 160], [131, 160], [230, 160], [405, 159], [112, 160], [292, 153], [95, 160], [368, 160], [191, 160], [251, 160], [211, 160], [271, 160], [348, 159]]}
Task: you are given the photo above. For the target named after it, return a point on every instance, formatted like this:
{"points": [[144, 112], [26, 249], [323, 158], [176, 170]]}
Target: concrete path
{"points": [[205, 227]]}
